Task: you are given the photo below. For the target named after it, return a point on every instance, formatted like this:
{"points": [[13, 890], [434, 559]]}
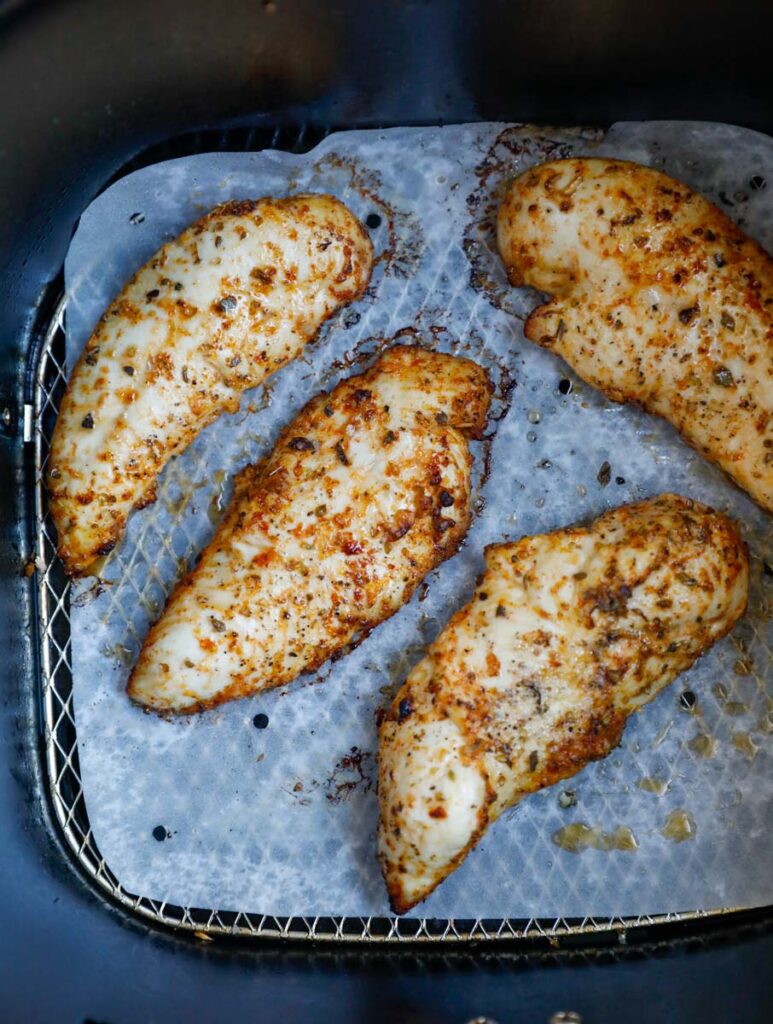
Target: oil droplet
{"points": [[703, 745], [582, 490], [680, 825], [214, 511], [122, 654], [661, 735], [534, 416], [735, 707], [579, 836], [175, 506], [742, 741], [653, 784]]}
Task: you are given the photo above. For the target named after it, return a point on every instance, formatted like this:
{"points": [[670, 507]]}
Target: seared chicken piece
{"points": [[365, 492], [658, 298], [213, 313], [567, 634]]}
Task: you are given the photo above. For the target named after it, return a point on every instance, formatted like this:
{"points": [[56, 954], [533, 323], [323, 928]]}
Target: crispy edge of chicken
{"points": [[213, 313], [657, 298], [566, 635], [365, 492]]}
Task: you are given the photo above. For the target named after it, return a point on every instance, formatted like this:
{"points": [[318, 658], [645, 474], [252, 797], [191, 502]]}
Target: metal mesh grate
{"points": [[61, 750]]}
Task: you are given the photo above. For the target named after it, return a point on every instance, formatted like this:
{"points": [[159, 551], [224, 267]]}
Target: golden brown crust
{"points": [[365, 492], [212, 314], [567, 634], [658, 298]]}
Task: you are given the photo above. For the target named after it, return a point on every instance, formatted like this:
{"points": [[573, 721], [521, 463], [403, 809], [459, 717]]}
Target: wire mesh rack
{"points": [[62, 770]]}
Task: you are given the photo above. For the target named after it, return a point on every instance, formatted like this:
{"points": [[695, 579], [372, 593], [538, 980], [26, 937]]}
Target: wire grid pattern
{"points": [[53, 590], [66, 788]]}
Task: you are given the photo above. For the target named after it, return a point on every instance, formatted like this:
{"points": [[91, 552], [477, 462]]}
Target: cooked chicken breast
{"points": [[365, 492], [213, 313], [658, 298], [567, 634]]}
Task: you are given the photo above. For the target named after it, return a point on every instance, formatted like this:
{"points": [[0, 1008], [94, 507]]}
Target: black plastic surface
{"points": [[84, 85]]}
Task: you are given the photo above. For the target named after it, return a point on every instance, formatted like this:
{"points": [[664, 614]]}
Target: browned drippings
{"points": [[355, 770], [735, 707], [679, 826], [578, 837], [653, 784], [122, 654], [703, 745], [742, 741]]}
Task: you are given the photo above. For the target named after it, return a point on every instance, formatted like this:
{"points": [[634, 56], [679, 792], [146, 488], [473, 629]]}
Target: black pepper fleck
{"points": [[301, 444], [404, 709], [723, 377], [446, 499], [341, 454], [260, 721], [217, 624], [565, 386], [152, 294], [604, 474], [159, 833], [129, 370], [688, 315], [88, 421]]}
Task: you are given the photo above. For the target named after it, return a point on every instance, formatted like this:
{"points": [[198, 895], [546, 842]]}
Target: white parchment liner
{"points": [[281, 820]]}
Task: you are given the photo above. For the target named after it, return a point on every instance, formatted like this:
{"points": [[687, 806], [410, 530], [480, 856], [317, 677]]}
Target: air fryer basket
{"points": [[84, 87], [46, 382]]}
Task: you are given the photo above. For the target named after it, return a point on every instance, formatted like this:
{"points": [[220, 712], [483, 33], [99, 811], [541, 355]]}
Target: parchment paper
{"points": [[216, 811]]}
